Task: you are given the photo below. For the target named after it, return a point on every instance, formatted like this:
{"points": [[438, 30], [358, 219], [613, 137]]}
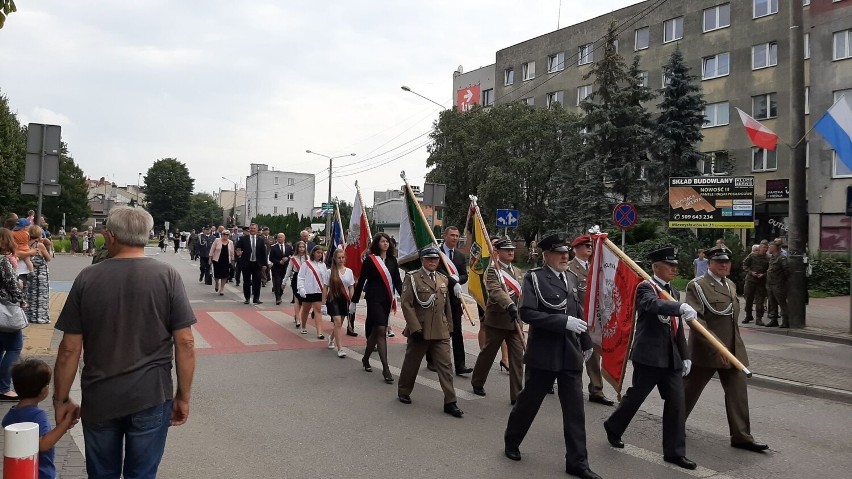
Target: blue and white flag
{"points": [[836, 127], [337, 239]]}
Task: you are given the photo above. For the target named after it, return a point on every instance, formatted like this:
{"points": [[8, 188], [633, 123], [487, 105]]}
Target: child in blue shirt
{"points": [[31, 378]]}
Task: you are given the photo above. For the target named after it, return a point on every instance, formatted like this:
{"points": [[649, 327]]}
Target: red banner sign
{"points": [[467, 97]]}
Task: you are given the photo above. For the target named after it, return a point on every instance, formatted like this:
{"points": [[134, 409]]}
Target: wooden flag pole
{"points": [[444, 259], [692, 324]]}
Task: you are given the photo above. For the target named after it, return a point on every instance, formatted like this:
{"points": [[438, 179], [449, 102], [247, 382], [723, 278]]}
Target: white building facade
{"points": [[274, 192]]}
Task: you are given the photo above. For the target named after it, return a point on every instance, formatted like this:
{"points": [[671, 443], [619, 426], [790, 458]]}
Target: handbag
{"points": [[12, 317]]}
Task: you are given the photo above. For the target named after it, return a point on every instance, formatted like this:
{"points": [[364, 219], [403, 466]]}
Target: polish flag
{"points": [[760, 136], [359, 237]]}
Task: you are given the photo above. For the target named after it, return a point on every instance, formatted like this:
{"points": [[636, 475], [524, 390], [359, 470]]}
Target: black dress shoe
{"points": [[601, 399], [751, 446], [583, 473], [246, 302], [463, 371], [431, 367], [747, 320], [257, 301], [512, 453], [453, 410], [681, 461], [614, 440], [479, 391], [351, 333], [405, 399]]}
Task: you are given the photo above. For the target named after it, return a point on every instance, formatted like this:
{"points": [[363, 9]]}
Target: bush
{"points": [[831, 275], [62, 246]]}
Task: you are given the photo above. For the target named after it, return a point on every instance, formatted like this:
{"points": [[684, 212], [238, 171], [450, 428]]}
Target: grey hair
{"points": [[754, 248], [130, 226]]}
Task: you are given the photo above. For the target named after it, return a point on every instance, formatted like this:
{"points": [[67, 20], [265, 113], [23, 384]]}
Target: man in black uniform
{"points": [[251, 250], [279, 257], [202, 250], [557, 348], [660, 358]]}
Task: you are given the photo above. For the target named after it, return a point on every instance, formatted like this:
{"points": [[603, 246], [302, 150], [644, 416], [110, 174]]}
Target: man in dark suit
{"points": [[202, 250], [660, 358], [251, 250], [279, 256], [557, 348]]}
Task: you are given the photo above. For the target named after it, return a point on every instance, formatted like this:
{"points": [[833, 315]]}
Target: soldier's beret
{"points": [[581, 240], [718, 253], [504, 243], [667, 254], [430, 252], [553, 243]]}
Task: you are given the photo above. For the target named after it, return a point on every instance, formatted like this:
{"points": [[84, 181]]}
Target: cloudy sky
{"points": [[222, 84]]}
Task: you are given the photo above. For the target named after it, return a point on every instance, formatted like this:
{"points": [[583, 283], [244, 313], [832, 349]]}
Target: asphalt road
{"points": [[293, 409]]}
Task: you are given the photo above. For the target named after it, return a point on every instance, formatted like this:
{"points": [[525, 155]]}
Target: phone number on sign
{"points": [[681, 216]]}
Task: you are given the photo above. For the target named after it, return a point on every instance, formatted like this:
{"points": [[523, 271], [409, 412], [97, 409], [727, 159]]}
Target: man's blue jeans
{"points": [[10, 350], [139, 437]]}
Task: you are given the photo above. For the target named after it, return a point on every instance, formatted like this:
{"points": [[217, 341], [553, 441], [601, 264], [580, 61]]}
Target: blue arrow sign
{"points": [[507, 218]]}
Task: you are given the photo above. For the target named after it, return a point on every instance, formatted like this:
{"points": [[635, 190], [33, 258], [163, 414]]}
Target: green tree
{"points": [[73, 200], [203, 211], [8, 7], [13, 150], [290, 224], [168, 189]]}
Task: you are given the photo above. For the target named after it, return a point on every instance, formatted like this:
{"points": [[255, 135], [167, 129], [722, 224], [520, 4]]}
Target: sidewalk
{"points": [[826, 319]]}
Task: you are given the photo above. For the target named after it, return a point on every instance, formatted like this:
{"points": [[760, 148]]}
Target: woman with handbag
{"points": [[11, 315]]}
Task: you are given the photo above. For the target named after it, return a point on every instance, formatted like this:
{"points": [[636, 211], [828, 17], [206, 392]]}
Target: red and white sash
{"points": [[386, 278], [297, 264], [314, 271], [345, 288], [511, 283]]}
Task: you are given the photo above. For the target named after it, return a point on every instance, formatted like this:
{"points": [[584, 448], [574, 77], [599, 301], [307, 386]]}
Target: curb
{"points": [[804, 389], [829, 337]]}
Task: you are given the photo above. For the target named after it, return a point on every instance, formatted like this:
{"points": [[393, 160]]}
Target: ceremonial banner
{"points": [[337, 239], [359, 236], [414, 231], [609, 307], [477, 238]]}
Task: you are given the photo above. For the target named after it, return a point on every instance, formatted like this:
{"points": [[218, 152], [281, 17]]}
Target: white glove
{"points": [[587, 354], [302, 292], [457, 290], [687, 366], [687, 312], [455, 277], [352, 307], [396, 298], [576, 325], [324, 310]]}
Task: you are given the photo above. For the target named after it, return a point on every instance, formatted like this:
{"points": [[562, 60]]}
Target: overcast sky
{"points": [[222, 84]]}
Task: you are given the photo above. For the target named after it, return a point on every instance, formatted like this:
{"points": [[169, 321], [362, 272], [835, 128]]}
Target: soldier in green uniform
{"points": [[755, 266], [776, 284]]}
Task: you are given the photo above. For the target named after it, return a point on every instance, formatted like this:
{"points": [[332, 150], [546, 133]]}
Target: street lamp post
{"points": [[138, 183], [234, 209], [409, 90], [330, 159]]}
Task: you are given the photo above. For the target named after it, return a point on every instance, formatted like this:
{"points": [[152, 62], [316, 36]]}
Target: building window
{"points": [[715, 66], [807, 45], [291, 181], [528, 70], [666, 79], [841, 44], [274, 210], [763, 106], [716, 114], [641, 38], [834, 235], [717, 17], [805, 3], [583, 92], [764, 55], [643, 79], [673, 29], [290, 196], [807, 100], [488, 97], [763, 8], [763, 160], [615, 45], [556, 62], [290, 211], [276, 196], [584, 54], [840, 169], [840, 93], [554, 97], [529, 101], [275, 180], [508, 76]]}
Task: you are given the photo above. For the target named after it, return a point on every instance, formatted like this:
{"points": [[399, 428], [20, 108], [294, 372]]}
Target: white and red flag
{"points": [[359, 236], [761, 136], [609, 308]]}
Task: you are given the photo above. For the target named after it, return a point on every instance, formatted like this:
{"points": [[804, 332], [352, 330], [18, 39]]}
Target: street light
{"points": [[409, 90], [138, 182], [330, 159], [234, 209]]}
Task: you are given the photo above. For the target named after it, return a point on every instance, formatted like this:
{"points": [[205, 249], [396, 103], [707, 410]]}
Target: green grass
{"points": [[815, 293], [679, 283]]}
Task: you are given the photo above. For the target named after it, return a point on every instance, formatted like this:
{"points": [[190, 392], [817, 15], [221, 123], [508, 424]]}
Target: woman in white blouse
{"points": [[299, 257], [339, 288], [313, 276]]}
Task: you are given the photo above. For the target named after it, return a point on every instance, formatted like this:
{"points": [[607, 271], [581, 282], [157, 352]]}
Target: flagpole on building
{"points": [[694, 325], [444, 260]]}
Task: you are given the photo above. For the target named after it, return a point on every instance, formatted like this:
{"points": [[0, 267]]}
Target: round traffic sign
{"points": [[624, 216]]}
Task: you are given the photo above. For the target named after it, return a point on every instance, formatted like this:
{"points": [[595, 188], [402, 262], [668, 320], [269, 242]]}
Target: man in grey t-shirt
{"points": [[132, 316]]}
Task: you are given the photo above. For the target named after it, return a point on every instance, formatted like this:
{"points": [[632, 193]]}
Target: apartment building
{"points": [[740, 52], [274, 192]]}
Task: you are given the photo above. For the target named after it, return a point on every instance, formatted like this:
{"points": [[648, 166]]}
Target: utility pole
{"points": [[798, 214]]}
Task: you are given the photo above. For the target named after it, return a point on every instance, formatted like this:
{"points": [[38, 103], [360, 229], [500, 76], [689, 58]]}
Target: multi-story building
{"points": [[388, 206], [272, 192], [740, 52], [233, 204], [473, 87]]}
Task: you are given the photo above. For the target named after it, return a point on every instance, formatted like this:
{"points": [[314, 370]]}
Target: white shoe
{"points": [[341, 354], [390, 334], [330, 343]]}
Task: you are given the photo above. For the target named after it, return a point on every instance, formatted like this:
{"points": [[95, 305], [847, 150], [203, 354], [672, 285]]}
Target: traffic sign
{"points": [[624, 216], [507, 218]]}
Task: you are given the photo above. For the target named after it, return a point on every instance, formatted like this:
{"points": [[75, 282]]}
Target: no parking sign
{"points": [[624, 215]]}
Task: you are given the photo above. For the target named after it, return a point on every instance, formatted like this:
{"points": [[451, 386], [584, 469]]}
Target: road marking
{"points": [[240, 329], [200, 342], [278, 317], [767, 347], [805, 345], [656, 458]]}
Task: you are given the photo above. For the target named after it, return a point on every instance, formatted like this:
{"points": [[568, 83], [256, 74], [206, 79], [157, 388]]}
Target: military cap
{"points": [[667, 254], [554, 243], [719, 253], [504, 243], [430, 252], [581, 240]]}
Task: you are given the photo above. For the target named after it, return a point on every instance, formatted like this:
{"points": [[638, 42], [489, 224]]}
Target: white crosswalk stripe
{"points": [[200, 342], [240, 329]]}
